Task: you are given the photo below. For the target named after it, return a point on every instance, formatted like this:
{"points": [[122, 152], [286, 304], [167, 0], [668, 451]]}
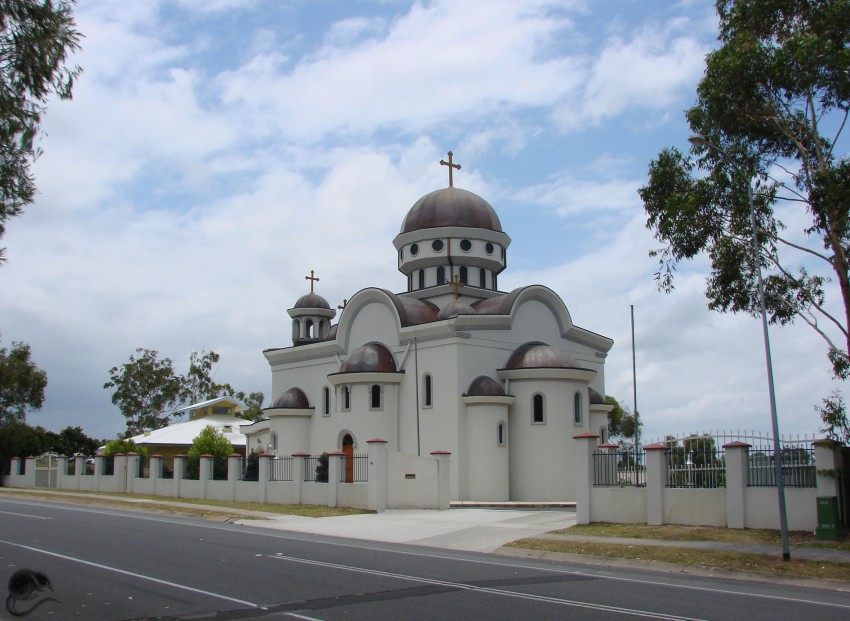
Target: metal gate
{"points": [[46, 467]]}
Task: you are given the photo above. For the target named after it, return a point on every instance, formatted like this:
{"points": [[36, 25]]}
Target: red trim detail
{"points": [[736, 444], [376, 441], [581, 436], [440, 453], [607, 445], [656, 447], [295, 455]]}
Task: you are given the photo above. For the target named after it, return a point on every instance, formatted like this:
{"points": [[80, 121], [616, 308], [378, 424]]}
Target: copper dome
{"points": [[595, 397], [294, 398], [483, 386], [312, 300], [453, 309], [370, 358], [536, 355], [451, 207]]}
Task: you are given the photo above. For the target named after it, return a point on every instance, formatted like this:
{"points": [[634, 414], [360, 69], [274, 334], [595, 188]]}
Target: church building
{"points": [[501, 380]]}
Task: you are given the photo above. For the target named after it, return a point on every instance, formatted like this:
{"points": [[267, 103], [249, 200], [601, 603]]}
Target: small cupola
{"points": [[311, 316]]}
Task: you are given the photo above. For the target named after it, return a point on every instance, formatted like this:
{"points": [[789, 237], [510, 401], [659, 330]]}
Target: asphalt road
{"points": [[109, 564]]}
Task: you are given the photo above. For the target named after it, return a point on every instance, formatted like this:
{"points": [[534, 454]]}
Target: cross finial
{"points": [[451, 166], [343, 305], [313, 279], [457, 284]]}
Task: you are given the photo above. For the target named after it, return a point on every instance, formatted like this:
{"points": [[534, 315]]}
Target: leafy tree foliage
{"points": [[254, 401], [123, 446], [833, 414], [72, 440], [22, 384], [773, 101], [36, 38], [146, 390], [621, 422], [198, 384], [210, 441], [19, 440]]}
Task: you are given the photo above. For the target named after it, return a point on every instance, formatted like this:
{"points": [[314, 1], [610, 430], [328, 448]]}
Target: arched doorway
{"points": [[348, 449]]}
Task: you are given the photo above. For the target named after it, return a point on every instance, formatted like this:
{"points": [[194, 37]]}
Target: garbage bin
{"points": [[829, 528]]}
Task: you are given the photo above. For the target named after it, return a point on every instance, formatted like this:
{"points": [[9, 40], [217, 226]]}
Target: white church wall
{"points": [[487, 461], [412, 482], [541, 454], [375, 321]]}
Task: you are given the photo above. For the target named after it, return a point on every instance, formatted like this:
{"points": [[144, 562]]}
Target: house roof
{"points": [[182, 434], [202, 404]]}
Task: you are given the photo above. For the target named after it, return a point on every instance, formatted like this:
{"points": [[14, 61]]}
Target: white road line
{"points": [[132, 574], [504, 593], [374, 545], [29, 515]]}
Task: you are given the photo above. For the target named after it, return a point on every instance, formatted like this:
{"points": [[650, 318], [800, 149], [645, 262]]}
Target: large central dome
{"points": [[451, 207]]}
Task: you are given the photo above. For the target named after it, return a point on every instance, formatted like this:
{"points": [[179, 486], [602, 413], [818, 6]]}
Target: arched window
{"points": [[273, 443], [603, 435], [308, 329], [577, 409], [375, 397], [427, 398], [296, 329], [326, 401], [346, 398], [441, 275], [421, 279], [501, 440], [482, 278], [538, 415], [463, 275]]}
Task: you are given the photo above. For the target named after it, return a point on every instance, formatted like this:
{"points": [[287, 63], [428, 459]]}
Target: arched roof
{"points": [[451, 207], [294, 398], [370, 358], [312, 300], [536, 355], [455, 308], [484, 386], [595, 398]]}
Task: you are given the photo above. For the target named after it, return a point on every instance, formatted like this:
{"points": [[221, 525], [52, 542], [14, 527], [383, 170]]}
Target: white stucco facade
{"points": [[501, 380]]}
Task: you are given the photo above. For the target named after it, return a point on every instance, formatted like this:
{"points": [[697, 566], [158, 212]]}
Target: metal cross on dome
{"points": [[451, 166], [313, 279], [457, 285]]}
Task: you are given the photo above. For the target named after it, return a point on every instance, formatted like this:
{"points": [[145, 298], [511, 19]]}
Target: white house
{"points": [[501, 380]]}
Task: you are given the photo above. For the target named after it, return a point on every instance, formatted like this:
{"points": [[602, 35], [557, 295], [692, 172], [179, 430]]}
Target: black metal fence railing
{"points": [[316, 468], [71, 467], [280, 469], [108, 466], [218, 469], [797, 464], [143, 467], [619, 469], [354, 469], [698, 468], [191, 469], [166, 468]]}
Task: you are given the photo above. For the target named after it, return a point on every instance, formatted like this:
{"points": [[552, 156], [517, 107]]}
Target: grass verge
{"points": [[734, 561], [699, 533], [228, 509]]}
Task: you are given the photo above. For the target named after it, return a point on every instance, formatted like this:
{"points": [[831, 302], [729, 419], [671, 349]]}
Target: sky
{"points": [[217, 151]]}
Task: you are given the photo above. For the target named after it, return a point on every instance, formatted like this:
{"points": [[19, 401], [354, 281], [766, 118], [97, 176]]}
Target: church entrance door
{"points": [[348, 449]]}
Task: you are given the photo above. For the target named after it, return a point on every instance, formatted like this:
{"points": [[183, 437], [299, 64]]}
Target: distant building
{"points": [[502, 380], [220, 413]]}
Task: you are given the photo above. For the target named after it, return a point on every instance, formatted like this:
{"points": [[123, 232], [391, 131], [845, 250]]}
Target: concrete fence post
{"points": [[299, 473], [827, 462], [132, 470], [377, 452], [155, 474], [179, 470], [119, 472], [656, 481], [336, 466], [737, 474], [61, 472], [205, 471], [79, 469], [264, 475], [443, 479], [585, 444], [98, 471], [234, 473]]}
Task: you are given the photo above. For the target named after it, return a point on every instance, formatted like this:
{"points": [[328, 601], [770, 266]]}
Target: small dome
{"points": [[455, 308], [312, 300], [540, 356], [451, 207], [595, 398], [371, 358], [294, 398], [483, 386]]}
